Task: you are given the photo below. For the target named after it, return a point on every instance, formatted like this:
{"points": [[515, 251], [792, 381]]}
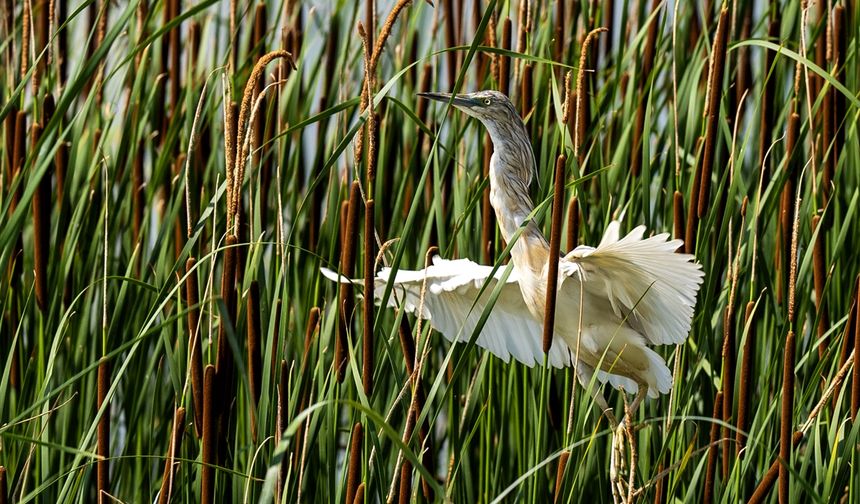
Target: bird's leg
{"points": [[625, 430]]}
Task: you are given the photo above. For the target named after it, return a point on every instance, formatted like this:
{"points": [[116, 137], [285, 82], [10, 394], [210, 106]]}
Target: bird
{"points": [[614, 301]]}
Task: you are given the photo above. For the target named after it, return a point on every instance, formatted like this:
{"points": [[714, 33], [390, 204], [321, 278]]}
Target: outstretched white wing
{"points": [[452, 305], [643, 279]]}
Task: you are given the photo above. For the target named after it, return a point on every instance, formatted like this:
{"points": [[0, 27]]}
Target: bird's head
{"points": [[492, 108]]}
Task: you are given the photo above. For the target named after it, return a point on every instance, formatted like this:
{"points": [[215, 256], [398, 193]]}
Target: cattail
{"points": [[581, 92], [369, 274], [855, 375], [839, 54], [451, 40], [359, 495], [787, 202], [9, 159], [347, 266], [103, 435], [488, 218], [678, 215], [405, 493], [712, 450], [195, 351], [174, 68], [647, 64], [785, 424], [554, 246], [559, 34], [767, 106], [559, 475], [255, 366], [819, 275], [728, 382], [224, 362], [210, 437], [692, 214], [407, 344], [4, 491], [573, 223], [526, 90], [312, 328], [41, 229], [353, 475], [171, 466], [746, 378], [712, 110], [505, 61], [766, 483]]}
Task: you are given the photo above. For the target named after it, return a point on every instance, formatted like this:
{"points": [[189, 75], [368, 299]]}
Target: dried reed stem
{"points": [[347, 266], [171, 465], [210, 437], [103, 444], [712, 110], [554, 248], [559, 474], [195, 344], [353, 474], [766, 483], [369, 274], [573, 220], [786, 417], [744, 393], [712, 450]]}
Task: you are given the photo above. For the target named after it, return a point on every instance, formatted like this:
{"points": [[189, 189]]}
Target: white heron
{"points": [[613, 302]]}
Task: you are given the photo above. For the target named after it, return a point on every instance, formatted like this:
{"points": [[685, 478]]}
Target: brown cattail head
{"points": [[728, 382], [505, 61], [554, 248], [353, 475], [712, 109], [103, 445], [359, 495], [744, 392], [559, 474], [224, 361], [4, 491], [786, 417], [369, 274], [405, 494], [712, 450], [526, 90], [766, 483], [347, 266], [210, 437], [692, 214], [195, 343], [678, 214], [171, 465], [451, 39]]}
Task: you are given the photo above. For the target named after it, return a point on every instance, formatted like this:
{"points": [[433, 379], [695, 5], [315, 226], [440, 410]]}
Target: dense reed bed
{"points": [[174, 174]]}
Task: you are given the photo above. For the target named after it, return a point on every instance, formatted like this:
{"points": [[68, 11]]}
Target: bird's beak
{"points": [[458, 101]]}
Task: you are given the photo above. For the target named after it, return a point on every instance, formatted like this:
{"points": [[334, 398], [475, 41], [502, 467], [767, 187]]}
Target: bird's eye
{"points": [[487, 101]]}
